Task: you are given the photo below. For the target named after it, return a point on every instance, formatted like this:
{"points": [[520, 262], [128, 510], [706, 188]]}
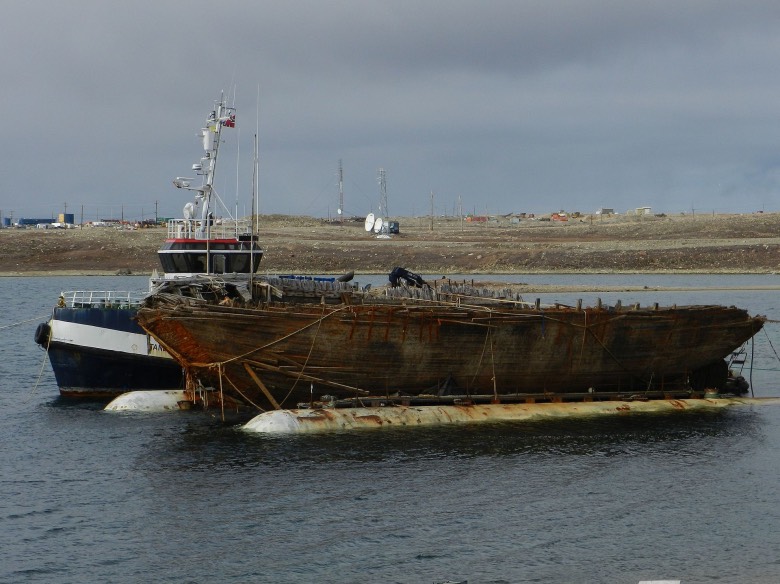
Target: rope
{"points": [[242, 394], [481, 357], [770, 344], [584, 335], [752, 349], [220, 364], [23, 321], [493, 362], [221, 393], [588, 330], [306, 362], [43, 364], [279, 340], [752, 353]]}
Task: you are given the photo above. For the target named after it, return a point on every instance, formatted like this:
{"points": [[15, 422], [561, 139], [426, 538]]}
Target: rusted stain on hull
{"points": [[383, 349], [302, 421]]}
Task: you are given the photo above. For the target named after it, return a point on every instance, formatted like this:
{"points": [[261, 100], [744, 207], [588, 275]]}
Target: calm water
{"points": [[87, 496]]}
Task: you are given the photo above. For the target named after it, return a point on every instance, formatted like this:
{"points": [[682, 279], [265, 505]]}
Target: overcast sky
{"points": [[507, 105]]}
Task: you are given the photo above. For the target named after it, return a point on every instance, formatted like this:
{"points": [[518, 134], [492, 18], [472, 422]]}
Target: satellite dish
{"points": [[369, 222], [189, 210], [339, 211], [378, 225]]}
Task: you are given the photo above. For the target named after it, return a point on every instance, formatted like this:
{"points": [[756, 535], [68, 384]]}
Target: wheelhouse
{"points": [[215, 248], [187, 256]]}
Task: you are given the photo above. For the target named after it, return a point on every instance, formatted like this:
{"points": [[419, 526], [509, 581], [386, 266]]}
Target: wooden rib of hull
{"points": [[384, 349]]}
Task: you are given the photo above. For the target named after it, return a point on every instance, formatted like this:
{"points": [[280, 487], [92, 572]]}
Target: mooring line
{"points": [[34, 390], [493, 361], [481, 357], [279, 340], [770, 344], [221, 392], [220, 364], [307, 377], [306, 362], [23, 321], [230, 381], [752, 354]]}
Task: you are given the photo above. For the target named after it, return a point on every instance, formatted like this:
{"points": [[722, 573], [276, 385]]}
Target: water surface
{"points": [[88, 496]]}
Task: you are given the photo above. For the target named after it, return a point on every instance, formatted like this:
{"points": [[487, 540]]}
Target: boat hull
{"points": [[102, 352], [279, 356]]}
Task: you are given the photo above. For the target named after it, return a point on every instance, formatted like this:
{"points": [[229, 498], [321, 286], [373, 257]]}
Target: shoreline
{"points": [[519, 287], [430, 273], [728, 245]]}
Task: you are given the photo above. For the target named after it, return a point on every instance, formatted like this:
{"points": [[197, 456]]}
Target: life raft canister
{"points": [[42, 334]]}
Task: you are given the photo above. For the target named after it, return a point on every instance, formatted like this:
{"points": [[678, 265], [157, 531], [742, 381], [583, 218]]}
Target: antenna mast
{"points": [[341, 193], [382, 194]]}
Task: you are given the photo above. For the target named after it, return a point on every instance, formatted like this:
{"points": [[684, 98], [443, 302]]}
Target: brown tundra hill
{"points": [[745, 243]]}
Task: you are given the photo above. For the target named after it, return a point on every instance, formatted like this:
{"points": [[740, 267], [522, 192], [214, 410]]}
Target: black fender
{"points": [[42, 334]]}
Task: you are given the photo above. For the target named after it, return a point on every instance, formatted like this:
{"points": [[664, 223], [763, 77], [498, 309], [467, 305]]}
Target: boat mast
{"points": [[221, 116], [212, 137], [252, 226]]}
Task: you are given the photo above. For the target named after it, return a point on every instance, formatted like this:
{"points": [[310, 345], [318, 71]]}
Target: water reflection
{"points": [[207, 445]]}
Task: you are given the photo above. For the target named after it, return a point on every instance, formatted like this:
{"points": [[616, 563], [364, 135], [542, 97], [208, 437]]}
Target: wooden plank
{"points": [[262, 386]]}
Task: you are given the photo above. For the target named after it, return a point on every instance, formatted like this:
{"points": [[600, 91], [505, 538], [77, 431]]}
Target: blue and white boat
{"points": [[95, 346], [97, 350]]}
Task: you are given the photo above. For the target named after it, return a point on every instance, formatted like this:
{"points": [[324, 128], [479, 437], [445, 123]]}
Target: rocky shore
{"points": [[635, 244]]}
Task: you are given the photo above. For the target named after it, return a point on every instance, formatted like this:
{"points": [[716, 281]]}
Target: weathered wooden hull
{"points": [[281, 355]]}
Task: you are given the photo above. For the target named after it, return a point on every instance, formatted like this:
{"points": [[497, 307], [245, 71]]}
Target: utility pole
{"points": [[341, 193], [431, 210], [383, 194]]}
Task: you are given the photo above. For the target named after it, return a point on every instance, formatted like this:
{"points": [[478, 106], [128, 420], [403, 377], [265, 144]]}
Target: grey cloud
{"points": [[509, 105]]}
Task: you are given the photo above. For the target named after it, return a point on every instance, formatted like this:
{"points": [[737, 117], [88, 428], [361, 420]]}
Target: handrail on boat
{"points": [[100, 299], [219, 229]]}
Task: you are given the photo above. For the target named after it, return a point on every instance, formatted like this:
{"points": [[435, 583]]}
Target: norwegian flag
{"points": [[229, 122]]}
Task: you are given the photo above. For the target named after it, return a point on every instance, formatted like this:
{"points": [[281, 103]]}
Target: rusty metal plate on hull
{"points": [[300, 421]]}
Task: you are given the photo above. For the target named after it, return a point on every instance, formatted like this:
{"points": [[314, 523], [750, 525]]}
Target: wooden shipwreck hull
{"points": [[277, 355]]}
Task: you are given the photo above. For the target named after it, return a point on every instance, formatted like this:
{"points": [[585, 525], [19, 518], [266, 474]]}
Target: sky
{"points": [[491, 106]]}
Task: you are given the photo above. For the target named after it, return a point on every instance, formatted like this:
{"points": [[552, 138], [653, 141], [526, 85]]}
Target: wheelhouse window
{"points": [[218, 263], [184, 258]]}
